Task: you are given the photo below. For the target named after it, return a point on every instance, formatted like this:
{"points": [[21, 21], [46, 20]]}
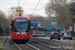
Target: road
{"points": [[61, 40]]}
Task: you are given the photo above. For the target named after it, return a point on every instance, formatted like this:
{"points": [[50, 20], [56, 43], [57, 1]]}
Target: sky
{"points": [[28, 6]]}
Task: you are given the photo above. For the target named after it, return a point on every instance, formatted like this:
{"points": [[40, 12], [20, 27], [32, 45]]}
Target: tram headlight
{"points": [[26, 34], [15, 34]]}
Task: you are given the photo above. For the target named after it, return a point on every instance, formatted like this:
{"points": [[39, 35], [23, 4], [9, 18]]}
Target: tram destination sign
{"points": [[21, 20]]}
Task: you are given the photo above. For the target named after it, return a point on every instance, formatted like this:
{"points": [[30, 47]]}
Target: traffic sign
{"points": [[70, 28], [61, 28], [34, 24], [47, 28], [56, 29], [54, 21], [50, 28]]}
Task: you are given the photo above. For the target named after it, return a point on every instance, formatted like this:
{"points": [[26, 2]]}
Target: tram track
{"points": [[23, 46], [26, 47], [40, 44], [18, 46], [37, 44], [44, 45]]}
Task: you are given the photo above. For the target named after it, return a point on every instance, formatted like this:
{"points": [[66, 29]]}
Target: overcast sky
{"points": [[28, 6]]}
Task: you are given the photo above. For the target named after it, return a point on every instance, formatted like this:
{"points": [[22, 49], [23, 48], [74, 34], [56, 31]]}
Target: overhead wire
{"points": [[39, 9], [18, 2], [34, 9], [25, 3], [36, 6]]}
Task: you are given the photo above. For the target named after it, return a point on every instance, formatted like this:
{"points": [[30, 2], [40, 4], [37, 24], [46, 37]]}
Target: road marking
{"points": [[33, 46], [18, 46]]}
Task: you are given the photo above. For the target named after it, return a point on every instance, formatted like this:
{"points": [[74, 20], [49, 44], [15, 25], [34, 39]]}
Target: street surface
{"points": [[61, 40]]}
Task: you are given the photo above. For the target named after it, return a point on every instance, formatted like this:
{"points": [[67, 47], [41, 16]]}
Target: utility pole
{"points": [[74, 24], [19, 10]]}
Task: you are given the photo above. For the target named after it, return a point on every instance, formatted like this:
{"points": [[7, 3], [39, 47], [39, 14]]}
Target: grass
{"points": [[13, 48], [2, 43], [1, 38], [64, 43], [73, 44], [73, 37], [2, 48]]}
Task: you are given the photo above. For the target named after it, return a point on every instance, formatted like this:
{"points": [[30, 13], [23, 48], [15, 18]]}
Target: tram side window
{"points": [[29, 26], [12, 26]]}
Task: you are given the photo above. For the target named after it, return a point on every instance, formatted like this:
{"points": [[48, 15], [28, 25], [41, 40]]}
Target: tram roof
{"points": [[20, 18]]}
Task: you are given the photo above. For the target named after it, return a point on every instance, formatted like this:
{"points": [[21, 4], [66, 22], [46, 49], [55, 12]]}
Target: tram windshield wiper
{"points": [[18, 30]]}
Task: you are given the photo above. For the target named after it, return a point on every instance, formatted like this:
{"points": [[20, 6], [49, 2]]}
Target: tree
{"points": [[64, 17], [62, 12], [1, 31], [53, 5], [72, 8], [3, 19], [39, 19], [14, 11], [4, 23]]}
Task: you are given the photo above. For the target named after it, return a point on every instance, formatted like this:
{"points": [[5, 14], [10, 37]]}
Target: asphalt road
{"points": [[61, 40]]}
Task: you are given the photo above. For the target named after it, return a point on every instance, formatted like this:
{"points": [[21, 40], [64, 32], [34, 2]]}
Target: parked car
{"points": [[40, 34], [55, 35], [43, 35], [49, 35], [67, 36]]}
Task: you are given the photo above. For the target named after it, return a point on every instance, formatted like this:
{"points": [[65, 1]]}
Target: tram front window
{"points": [[21, 25]]}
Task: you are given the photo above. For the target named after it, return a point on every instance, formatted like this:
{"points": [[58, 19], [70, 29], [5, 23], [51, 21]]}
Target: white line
{"points": [[18, 46], [33, 46]]}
